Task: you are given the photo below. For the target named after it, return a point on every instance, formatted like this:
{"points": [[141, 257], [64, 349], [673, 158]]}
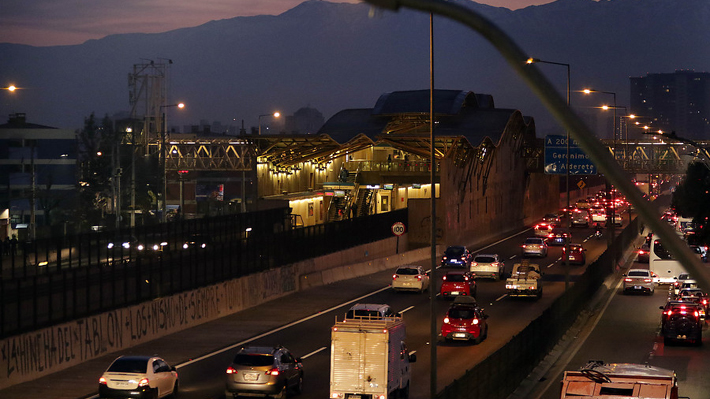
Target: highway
{"points": [[626, 329], [310, 337]]}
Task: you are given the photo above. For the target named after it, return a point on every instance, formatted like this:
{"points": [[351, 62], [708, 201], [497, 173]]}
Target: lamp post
{"points": [[611, 209], [163, 154], [567, 216], [275, 115]]}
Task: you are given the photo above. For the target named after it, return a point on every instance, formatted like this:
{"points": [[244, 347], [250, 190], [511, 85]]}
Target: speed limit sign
{"points": [[398, 229]]}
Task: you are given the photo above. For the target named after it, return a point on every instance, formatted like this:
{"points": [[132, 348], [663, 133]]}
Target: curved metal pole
{"points": [[556, 105]]}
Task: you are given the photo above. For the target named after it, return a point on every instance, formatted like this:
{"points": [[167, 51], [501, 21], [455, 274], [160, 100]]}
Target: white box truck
{"points": [[369, 359]]}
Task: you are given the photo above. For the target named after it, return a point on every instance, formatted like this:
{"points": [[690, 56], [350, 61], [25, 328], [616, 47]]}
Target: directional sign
{"points": [[556, 157], [398, 229]]}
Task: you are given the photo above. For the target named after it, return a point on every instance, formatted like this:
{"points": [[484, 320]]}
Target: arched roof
{"points": [[401, 119]]}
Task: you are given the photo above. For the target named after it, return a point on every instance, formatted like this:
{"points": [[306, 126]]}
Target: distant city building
{"points": [[37, 165], [678, 101], [306, 120]]}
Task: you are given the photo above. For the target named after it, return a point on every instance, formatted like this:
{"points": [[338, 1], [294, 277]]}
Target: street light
{"points": [[163, 154], [611, 210], [532, 60], [275, 115]]}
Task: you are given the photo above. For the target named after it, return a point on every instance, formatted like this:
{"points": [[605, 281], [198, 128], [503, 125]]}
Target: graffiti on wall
{"points": [[31, 355]]}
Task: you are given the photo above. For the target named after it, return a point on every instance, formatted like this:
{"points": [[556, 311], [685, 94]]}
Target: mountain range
{"points": [[333, 56]]}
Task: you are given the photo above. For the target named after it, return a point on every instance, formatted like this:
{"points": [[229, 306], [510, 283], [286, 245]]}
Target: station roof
{"points": [[463, 120]]}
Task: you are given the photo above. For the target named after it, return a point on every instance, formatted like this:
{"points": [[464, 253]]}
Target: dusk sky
{"points": [[66, 22]]}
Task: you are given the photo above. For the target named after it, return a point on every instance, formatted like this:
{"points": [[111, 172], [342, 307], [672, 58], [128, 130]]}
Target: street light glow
{"points": [[181, 105], [12, 88], [276, 114]]}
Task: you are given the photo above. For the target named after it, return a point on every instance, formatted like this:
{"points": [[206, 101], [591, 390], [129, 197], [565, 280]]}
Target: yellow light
{"points": [[12, 88], [605, 107], [530, 60], [632, 116], [586, 91], [181, 105], [276, 114]]}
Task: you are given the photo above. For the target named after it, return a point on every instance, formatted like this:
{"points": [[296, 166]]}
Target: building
{"points": [[489, 176], [37, 175], [678, 101]]}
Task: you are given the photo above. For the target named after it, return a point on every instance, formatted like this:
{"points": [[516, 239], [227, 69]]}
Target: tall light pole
{"points": [[163, 155], [567, 216], [275, 115], [611, 209]]}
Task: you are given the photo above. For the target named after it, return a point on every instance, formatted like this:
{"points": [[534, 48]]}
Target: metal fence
{"points": [[53, 281], [501, 373]]}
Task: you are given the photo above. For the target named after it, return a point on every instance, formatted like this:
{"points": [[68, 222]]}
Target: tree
{"points": [[692, 198]]}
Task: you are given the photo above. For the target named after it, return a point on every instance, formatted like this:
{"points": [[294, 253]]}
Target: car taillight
{"points": [[697, 314], [444, 278], [495, 264], [474, 322], [231, 370], [647, 280], [273, 372], [143, 382], [394, 277], [474, 264], [446, 320], [705, 302], [628, 280], [419, 277], [102, 381], [669, 313], [335, 395]]}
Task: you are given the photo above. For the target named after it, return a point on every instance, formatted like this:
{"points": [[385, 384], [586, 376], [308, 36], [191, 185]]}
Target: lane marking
{"points": [[313, 353], [501, 297], [406, 309], [262, 335]]}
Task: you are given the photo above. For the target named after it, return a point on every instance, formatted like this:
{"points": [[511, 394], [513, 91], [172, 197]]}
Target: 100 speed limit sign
{"points": [[398, 229]]}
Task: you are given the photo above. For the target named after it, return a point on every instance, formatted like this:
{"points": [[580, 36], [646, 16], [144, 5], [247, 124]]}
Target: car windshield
{"points": [[454, 251], [484, 259], [462, 313], [138, 366], [254, 360], [407, 271], [638, 273], [533, 241], [363, 313], [683, 276], [455, 277]]}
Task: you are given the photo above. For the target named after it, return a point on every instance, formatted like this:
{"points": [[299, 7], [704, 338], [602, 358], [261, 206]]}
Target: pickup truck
{"points": [[525, 280]]}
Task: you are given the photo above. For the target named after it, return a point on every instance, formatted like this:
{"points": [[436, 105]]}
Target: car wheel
{"points": [[299, 385], [478, 339], [282, 393], [404, 394]]}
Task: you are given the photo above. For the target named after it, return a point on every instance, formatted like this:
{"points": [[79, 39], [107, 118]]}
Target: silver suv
{"points": [[264, 371]]}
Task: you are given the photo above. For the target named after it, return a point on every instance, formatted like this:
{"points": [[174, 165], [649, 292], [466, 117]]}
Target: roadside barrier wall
{"points": [[35, 354]]}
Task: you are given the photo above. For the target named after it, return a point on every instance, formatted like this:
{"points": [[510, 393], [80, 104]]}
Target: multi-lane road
{"points": [[310, 337]]}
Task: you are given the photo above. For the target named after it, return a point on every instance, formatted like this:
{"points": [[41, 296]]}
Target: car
{"points": [[675, 287], [642, 254], [598, 215], [139, 377], [457, 256], [582, 204], [465, 321], [681, 321], [694, 295], [576, 254], [638, 280], [370, 311], [579, 217], [199, 241], [124, 243], [558, 236], [701, 251], [487, 266], [410, 278], [551, 218], [153, 243], [618, 220], [535, 246], [264, 371], [543, 229], [457, 283]]}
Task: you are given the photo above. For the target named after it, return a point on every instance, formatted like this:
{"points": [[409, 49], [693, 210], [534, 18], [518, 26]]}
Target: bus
{"points": [[662, 264]]}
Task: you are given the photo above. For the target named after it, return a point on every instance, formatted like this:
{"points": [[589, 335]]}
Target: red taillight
{"points": [[394, 277], [231, 370], [446, 320], [143, 382], [705, 302], [647, 280], [669, 312], [419, 277], [444, 278], [475, 321], [102, 381], [628, 280], [273, 372], [474, 264]]}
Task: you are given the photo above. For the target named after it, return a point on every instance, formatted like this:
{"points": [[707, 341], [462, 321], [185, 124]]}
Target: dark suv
{"points": [[264, 371], [681, 321]]}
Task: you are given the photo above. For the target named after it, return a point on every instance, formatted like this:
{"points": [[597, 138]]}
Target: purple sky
{"points": [[60, 22]]}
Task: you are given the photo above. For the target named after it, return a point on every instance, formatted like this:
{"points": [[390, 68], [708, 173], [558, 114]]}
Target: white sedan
{"points": [[138, 377], [639, 280], [410, 278]]}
